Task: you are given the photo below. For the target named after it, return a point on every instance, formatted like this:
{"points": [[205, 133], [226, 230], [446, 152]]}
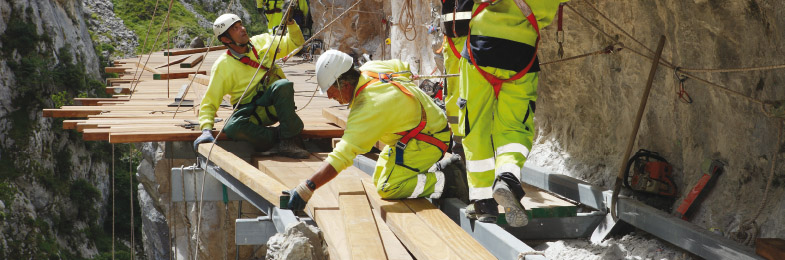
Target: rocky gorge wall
{"points": [[586, 107]]}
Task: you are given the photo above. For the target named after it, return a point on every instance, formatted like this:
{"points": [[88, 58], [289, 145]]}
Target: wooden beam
{"points": [[192, 51], [459, 241], [178, 60], [176, 75], [361, 233], [330, 222], [52, 112], [336, 116], [541, 204], [770, 248], [192, 61], [409, 228], [94, 101], [115, 69], [258, 181]]}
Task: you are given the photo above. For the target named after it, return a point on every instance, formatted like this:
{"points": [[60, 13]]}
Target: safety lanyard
{"points": [[247, 61], [496, 82], [416, 132]]}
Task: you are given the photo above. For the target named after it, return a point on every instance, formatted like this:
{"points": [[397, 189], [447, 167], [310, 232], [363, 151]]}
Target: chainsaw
{"points": [[648, 172]]}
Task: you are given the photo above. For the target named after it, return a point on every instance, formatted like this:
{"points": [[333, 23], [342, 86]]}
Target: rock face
{"points": [[54, 188], [108, 29], [586, 107], [300, 241]]}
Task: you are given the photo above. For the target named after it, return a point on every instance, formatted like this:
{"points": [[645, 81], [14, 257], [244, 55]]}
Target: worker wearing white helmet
{"points": [[385, 105], [264, 104]]}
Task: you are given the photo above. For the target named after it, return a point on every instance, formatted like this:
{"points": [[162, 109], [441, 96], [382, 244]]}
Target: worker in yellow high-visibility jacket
{"points": [[263, 104], [498, 84], [384, 105], [273, 11]]}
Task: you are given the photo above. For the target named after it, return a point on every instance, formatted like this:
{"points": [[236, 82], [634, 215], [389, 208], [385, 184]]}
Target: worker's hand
{"points": [[300, 196], [290, 13], [207, 136]]}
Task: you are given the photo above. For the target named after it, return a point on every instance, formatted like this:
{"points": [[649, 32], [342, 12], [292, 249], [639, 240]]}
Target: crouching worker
{"points": [[263, 105], [384, 105]]}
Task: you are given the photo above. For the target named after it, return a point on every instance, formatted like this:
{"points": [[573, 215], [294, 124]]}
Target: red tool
{"points": [[711, 169]]}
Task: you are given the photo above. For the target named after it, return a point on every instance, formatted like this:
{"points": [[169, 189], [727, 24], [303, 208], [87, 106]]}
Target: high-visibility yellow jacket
{"points": [[274, 10], [230, 76], [381, 110]]}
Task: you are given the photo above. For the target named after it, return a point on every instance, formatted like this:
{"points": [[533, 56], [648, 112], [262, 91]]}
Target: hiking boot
{"points": [[486, 210], [455, 185], [507, 192], [293, 148]]}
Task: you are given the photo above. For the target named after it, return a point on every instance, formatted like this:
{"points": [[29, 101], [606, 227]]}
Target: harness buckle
{"points": [[400, 145], [385, 77]]}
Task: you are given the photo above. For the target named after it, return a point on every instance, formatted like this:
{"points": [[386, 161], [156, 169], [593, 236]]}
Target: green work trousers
{"points": [[497, 132], [412, 179], [274, 105]]}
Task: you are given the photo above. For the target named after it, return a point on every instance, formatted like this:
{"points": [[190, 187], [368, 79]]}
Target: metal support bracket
{"points": [[191, 177]]}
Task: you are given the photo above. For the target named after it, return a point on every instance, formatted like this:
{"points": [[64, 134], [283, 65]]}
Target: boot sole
{"points": [[515, 214]]}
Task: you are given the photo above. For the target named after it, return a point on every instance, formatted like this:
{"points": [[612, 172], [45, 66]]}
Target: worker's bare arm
{"points": [[325, 173]]}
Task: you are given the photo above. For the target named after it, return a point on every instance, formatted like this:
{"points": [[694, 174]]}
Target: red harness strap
{"points": [[248, 61], [452, 47], [496, 82], [416, 132]]}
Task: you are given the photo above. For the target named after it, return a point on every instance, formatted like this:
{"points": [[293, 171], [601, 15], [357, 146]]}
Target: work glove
{"points": [[207, 136], [290, 13], [299, 196]]}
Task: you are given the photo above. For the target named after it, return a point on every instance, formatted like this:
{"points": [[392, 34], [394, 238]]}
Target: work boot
{"points": [[293, 148], [486, 210], [455, 185], [507, 191]]}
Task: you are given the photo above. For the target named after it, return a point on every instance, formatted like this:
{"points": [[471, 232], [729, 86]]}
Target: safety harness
{"points": [[247, 61], [416, 132], [497, 82]]}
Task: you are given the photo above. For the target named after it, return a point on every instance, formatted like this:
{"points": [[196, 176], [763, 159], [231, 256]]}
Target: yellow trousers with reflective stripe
{"points": [[411, 180], [497, 132], [451, 66]]}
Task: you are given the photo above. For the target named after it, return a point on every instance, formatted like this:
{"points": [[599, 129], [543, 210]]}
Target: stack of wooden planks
{"points": [[148, 114]]}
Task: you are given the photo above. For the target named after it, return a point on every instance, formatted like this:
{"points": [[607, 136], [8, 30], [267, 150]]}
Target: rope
{"points": [[607, 50], [522, 255], [663, 62], [285, 58], [145, 38], [771, 67], [748, 230], [113, 236], [131, 197], [166, 19], [185, 211], [281, 29], [168, 48], [407, 23], [239, 215]]}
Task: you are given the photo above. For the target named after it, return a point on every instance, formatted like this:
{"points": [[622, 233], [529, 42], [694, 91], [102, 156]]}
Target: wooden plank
{"points": [[409, 228], [458, 240], [201, 79], [336, 116], [115, 69], [541, 204], [173, 62], [94, 101], [261, 183], [71, 124], [192, 61], [195, 50], [176, 75], [361, 233], [770, 248], [330, 221], [50, 112], [392, 246], [118, 90]]}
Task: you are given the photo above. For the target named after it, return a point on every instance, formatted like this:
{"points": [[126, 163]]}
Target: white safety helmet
{"points": [[330, 66], [223, 22]]}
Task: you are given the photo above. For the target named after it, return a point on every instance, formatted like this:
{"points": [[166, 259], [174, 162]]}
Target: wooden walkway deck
{"points": [[148, 115], [356, 222]]}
